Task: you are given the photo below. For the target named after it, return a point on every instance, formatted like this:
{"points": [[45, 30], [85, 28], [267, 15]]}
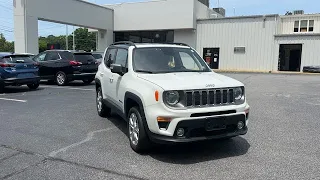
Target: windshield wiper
{"points": [[144, 71]]}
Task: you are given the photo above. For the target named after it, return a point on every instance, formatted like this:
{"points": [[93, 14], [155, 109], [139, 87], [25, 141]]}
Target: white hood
{"points": [[190, 80]]}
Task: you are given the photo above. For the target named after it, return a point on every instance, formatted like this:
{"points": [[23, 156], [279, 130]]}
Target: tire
{"points": [[88, 81], [138, 138], [33, 86], [61, 78], [102, 109], [1, 87]]}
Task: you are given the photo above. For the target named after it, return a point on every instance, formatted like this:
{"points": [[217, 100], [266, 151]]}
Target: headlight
{"points": [[238, 93], [172, 97]]}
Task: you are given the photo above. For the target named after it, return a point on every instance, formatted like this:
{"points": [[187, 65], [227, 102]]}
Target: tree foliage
{"points": [[6, 46], [84, 40]]}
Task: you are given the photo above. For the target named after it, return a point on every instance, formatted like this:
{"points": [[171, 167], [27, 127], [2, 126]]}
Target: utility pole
{"points": [[74, 45], [218, 3], [234, 11], [67, 42]]}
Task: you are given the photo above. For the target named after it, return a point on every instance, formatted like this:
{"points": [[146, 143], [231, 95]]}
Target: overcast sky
{"points": [[243, 7]]}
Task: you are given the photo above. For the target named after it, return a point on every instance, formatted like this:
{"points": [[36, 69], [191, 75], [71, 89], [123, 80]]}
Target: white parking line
{"points": [[16, 100], [58, 87]]}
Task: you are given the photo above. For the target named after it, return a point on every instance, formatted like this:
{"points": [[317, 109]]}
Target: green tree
{"points": [[5, 46], [84, 40]]}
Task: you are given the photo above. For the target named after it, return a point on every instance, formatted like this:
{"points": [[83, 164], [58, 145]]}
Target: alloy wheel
{"points": [[134, 129]]}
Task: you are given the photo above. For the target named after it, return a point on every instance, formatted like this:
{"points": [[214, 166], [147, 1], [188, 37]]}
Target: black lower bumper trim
{"points": [[15, 81], [169, 140], [204, 129]]}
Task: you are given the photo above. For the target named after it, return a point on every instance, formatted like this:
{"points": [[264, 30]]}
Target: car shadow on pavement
{"points": [[73, 83], [192, 153], [19, 89], [200, 151]]}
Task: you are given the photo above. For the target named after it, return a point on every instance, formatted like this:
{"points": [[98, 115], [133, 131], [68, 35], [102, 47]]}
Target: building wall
{"points": [[287, 23], [28, 12], [310, 47], [154, 15], [254, 33], [188, 36], [203, 12]]}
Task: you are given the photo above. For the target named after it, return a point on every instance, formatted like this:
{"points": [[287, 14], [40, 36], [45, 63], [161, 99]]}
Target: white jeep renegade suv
{"points": [[168, 94]]}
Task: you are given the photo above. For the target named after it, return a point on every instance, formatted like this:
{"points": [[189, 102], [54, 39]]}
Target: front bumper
{"points": [[194, 122], [18, 81], [81, 76], [197, 130]]}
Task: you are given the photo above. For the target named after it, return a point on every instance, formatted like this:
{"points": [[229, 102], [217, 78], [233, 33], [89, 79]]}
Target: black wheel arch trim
{"points": [[97, 81], [137, 99]]}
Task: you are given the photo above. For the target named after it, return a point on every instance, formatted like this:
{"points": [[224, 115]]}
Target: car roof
{"points": [[14, 54], [71, 51]]}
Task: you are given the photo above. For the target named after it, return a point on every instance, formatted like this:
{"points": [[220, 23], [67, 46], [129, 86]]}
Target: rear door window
{"points": [[52, 56]]}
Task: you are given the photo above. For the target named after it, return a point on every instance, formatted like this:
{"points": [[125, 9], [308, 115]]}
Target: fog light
{"points": [[180, 132], [240, 125]]}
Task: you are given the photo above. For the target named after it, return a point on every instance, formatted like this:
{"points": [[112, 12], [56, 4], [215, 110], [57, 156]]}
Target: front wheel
{"points": [[61, 78], [138, 138], [33, 86]]}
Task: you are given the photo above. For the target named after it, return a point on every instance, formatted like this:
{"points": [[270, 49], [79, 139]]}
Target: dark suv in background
{"points": [[63, 66]]}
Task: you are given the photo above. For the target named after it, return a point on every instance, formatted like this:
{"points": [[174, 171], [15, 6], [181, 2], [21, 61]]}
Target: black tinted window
{"points": [[52, 56], [66, 55], [17, 59], [121, 57], [97, 56], [83, 57]]}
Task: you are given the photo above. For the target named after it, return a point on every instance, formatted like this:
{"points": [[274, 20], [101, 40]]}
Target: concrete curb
{"points": [[263, 72]]}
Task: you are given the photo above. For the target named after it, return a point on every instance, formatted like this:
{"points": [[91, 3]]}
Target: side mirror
{"points": [[117, 68]]}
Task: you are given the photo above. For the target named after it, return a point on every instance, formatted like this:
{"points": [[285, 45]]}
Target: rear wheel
{"points": [[33, 86], [61, 78], [88, 81], [102, 109], [138, 138]]}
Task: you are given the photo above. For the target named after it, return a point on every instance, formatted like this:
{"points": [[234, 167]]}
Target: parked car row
{"points": [[59, 66]]}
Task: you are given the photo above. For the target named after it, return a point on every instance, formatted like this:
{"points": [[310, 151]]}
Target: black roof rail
{"points": [[125, 42]]}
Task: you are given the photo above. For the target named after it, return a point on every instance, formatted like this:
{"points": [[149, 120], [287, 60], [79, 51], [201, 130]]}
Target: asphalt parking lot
{"points": [[55, 133]]}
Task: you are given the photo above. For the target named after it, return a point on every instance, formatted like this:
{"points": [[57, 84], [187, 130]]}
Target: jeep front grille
{"points": [[210, 97]]}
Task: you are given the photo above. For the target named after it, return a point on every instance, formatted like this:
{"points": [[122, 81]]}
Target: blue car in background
{"points": [[17, 70]]}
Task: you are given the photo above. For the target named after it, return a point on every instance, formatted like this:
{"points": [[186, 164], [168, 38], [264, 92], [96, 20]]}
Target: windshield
{"points": [[167, 60]]}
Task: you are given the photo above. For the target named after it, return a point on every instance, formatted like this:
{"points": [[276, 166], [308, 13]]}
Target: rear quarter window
{"points": [[66, 55]]}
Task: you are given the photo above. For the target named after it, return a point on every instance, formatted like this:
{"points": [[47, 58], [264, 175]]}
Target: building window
{"points": [[296, 26], [145, 36], [311, 24], [239, 50], [304, 26]]}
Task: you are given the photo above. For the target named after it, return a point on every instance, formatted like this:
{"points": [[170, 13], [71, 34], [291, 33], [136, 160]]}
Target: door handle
{"points": [[111, 80], [101, 74]]}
